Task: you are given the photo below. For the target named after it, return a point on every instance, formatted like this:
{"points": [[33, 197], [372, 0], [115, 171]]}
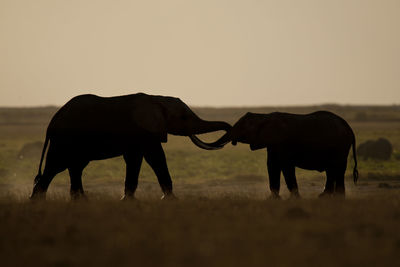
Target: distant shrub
{"points": [[380, 149], [31, 150], [384, 185]]}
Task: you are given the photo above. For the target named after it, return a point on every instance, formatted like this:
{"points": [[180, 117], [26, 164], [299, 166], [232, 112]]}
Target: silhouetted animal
{"points": [[90, 127], [375, 149], [317, 141]]}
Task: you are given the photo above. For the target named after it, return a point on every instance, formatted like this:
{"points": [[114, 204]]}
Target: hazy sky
{"points": [[208, 52]]}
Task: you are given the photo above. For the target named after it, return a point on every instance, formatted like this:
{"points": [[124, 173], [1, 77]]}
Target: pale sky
{"points": [[208, 52]]}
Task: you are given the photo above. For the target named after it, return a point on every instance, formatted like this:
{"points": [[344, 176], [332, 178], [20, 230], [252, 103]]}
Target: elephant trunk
{"points": [[203, 126], [220, 143]]}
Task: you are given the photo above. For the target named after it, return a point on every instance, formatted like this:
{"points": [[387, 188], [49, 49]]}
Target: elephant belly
{"points": [[317, 157], [92, 148], [319, 162], [107, 148], [103, 150], [312, 161], [311, 164]]}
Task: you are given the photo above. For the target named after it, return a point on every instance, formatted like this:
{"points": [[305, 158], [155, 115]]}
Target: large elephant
{"points": [[90, 127], [318, 141]]}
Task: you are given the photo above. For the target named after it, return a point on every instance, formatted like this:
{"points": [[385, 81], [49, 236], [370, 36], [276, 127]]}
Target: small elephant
{"points": [[90, 127], [318, 141]]}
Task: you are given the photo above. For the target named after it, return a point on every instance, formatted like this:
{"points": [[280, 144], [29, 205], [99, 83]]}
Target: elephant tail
{"points": [[46, 142], [355, 171]]}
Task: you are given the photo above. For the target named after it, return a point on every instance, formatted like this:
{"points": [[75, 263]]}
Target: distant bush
{"points": [[31, 150], [380, 149]]}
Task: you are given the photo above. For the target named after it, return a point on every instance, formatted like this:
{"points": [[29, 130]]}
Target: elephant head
{"points": [[170, 115], [257, 130]]}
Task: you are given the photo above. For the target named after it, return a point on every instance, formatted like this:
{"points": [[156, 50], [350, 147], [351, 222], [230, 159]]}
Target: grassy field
{"points": [[231, 231], [223, 215]]}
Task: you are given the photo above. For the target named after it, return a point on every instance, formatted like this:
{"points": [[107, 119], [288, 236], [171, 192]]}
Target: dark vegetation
{"points": [[380, 149], [223, 216]]}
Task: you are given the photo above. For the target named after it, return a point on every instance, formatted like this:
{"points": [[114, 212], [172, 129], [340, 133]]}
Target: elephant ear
{"points": [[272, 132], [151, 120]]}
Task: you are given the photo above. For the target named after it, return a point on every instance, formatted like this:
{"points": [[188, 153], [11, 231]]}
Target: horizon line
{"points": [[236, 106]]}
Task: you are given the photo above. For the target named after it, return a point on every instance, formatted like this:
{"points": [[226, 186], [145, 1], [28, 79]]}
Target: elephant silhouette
{"points": [[89, 127], [318, 141]]}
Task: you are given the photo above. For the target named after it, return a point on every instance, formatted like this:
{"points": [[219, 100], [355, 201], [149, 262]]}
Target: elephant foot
{"points": [[326, 194], [128, 198], [79, 197], [275, 196], [38, 196], [169, 196], [295, 195], [339, 192], [339, 195]]}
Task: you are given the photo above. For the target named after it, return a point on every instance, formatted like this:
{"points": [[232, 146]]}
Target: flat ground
{"points": [[223, 215]]}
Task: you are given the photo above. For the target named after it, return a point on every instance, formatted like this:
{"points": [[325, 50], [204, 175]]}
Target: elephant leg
{"points": [[339, 173], [335, 179], [54, 165], [155, 157], [274, 173], [290, 178], [75, 174], [339, 188], [133, 163], [330, 184], [42, 183]]}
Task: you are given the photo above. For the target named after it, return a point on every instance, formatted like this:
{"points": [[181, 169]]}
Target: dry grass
{"points": [[223, 216], [235, 231]]}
